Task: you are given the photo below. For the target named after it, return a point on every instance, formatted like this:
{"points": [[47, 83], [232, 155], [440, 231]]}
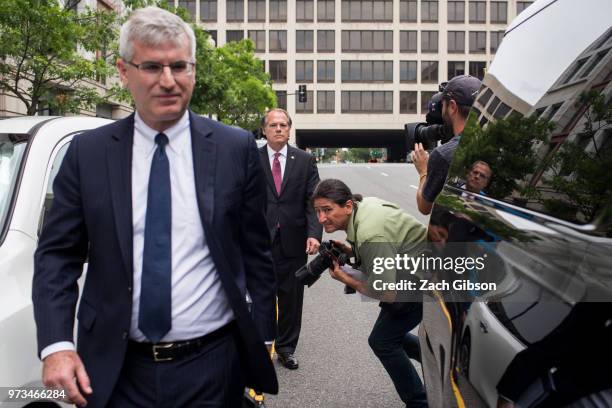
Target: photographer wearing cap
{"points": [[377, 229], [457, 98]]}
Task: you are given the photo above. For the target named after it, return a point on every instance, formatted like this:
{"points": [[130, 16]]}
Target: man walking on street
{"points": [[292, 177], [168, 209]]}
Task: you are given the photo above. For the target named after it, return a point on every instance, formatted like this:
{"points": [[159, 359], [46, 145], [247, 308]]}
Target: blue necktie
{"points": [[155, 319]]}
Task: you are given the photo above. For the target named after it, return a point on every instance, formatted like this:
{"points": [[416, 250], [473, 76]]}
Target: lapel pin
{"points": [[292, 157]]}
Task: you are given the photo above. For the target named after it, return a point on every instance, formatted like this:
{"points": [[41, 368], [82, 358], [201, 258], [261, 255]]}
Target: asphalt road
{"points": [[337, 367]]}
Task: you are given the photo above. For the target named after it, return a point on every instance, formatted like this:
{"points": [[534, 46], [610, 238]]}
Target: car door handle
{"points": [[483, 327]]}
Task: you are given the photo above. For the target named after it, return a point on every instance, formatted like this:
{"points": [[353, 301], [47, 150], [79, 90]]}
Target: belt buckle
{"points": [[157, 348]]}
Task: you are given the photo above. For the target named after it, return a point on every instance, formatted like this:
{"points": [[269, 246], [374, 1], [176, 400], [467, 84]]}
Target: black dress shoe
{"points": [[288, 360]]}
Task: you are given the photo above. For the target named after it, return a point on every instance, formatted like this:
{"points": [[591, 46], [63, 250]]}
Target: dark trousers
{"points": [[211, 377], [388, 339], [290, 295]]}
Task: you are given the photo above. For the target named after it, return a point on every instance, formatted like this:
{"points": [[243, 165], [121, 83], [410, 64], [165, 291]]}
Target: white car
{"points": [[31, 151]]}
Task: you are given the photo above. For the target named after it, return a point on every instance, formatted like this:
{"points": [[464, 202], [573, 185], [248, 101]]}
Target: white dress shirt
{"points": [[282, 158], [199, 303]]}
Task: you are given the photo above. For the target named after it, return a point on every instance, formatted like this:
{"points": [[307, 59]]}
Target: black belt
{"points": [[173, 350]]}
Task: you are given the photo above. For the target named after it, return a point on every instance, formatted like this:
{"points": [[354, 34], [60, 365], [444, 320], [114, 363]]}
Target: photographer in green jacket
{"points": [[378, 229]]}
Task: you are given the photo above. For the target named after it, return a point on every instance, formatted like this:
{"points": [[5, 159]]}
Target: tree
{"points": [[43, 53], [231, 82], [506, 145]]}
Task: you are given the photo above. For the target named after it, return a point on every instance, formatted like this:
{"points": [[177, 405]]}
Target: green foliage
{"points": [[231, 83], [506, 145], [582, 168], [42, 47]]}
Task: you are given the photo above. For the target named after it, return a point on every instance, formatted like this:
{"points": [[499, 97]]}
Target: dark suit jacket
{"points": [[92, 216], [292, 209]]}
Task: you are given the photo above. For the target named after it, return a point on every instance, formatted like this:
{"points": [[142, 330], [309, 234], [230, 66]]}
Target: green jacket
{"points": [[380, 229]]}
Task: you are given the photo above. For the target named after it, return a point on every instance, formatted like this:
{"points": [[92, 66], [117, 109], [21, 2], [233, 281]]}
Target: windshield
{"points": [[12, 148]]}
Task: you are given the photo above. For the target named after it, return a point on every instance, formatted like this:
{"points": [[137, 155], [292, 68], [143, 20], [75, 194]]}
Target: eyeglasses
{"points": [[152, 68]]}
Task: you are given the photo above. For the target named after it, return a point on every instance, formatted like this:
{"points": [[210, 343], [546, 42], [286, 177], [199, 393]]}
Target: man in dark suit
{"points": [[292, 177], [168, 207]]}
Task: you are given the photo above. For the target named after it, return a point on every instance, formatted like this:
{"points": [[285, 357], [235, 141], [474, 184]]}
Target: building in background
{"points": [[370, 65]]}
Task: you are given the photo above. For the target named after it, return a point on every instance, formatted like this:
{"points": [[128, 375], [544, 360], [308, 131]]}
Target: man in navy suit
{"points": [[292, 177], [168, 208]]}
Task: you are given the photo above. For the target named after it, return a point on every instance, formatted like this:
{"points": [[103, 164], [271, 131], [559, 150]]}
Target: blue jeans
{"points": [[387, 341]]}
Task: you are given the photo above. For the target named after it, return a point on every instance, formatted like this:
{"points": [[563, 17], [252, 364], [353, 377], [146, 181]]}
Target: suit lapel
{"points": [[265, 161], [204, 166], [289, 165], [119, 161]]}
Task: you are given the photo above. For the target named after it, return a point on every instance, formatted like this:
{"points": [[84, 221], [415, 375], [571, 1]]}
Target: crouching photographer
{"points": [[377, 229]]}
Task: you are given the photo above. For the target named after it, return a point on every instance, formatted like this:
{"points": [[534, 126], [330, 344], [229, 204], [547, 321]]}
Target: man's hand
{"points": [[343, 247], [312, 246], [420, 157], [64, 370], [338, 274]]}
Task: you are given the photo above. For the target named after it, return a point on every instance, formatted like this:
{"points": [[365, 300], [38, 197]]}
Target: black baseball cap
{"points": [[462, 89]]}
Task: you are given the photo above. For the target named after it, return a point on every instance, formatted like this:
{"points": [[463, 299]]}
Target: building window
{"points": [[408, 41], [326, 71], [234, 35], [278, 71], [304, 71], [408, 72], [235, 10], [456, 41], [326, 40], [456, 11], [485, 97], [367, 41], [213, 35], [281, 99], [425, 98], [478, 42], [325, 102], [455, 68], [522, 5], [208, 10], [304, 41], [408, 101], [477, 69], [429, 41], [278, 41], [478, 12], [367, 102], [367, 10], [304, 107], [496, 39], [367, 71], [326, 10], [408, 11], [429, 72], [304, 10], [278, 10], [429, 11], [499, 12], [259, 39], [189, 5], [257, 10]]}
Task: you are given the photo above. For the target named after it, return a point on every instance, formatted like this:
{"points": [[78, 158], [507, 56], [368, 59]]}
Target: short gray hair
{"points": [[153, 26]]}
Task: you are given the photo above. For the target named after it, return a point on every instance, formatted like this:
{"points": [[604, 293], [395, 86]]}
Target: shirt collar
{"points": [[282, 151], [176, 133]]}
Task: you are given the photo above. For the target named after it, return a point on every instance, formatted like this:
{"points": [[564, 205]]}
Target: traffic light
{"points": [[302, 94]]}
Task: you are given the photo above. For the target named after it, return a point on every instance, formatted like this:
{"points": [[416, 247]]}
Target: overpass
{"points": [[393, 140]]}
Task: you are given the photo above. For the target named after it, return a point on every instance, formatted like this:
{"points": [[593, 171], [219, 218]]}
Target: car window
{"points": [[553, 156], [12, 149], [55, 166]]}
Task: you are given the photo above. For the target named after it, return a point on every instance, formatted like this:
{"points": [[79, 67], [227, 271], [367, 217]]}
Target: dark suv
{"points": [[539, 332]]}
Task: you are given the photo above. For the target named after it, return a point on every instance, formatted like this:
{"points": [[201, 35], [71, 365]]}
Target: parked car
{"points": [[543, 336], [31, 151]]}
